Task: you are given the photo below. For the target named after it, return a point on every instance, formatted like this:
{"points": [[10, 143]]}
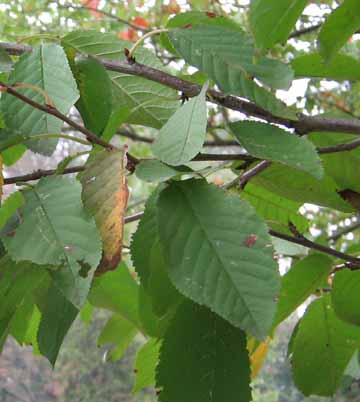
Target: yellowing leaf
{"points": [[257, 353], [105, 195]]}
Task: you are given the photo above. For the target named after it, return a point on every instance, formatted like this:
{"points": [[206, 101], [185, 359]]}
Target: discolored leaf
{"points": [[105, 195]]}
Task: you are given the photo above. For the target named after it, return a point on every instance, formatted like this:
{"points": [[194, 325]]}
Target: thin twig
{"points": [[304, 31], [248, 175], [304, 124], [303, 241], [107, 14], [41, 173], [91, 137], [344, 231]]}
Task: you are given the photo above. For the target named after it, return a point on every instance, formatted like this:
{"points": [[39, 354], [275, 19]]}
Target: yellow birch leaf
{"points": [[105, 195]]}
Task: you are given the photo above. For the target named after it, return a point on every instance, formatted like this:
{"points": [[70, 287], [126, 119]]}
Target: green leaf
{"points": [[118, 292], [156, 171], [56, 230], [10, 206], [271, 21], [234, 50], [300, 282], [322, 349], [56, 320], [18, 281], [149, 263], [47, 68], [117, 118], [95, 101], [145, 364], [105, 195], [151, 104], [345, 296], [119, 332], [339, 165], [277, 211], [340, 67], [205, 237], [183, 20], [270, 142], [302, 187], [338, 28], [227, 57], [207, 354], [13, 154], [183, 135]]}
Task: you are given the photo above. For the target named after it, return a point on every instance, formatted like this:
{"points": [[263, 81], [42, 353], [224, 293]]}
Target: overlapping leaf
{"points": [[339, 27], [56, 230], [183, 135], [57, 316], [340, 67], [18, 281], [47, 68], [95, 101], [205, 233], [271, 21], [209, 356], [155, 171], [145, 364], [149, 263], [118, 332], [300, 186], [228, 58], [277, 211], [304, 277], [118, 292], [346, 295], [270, 142], [151, 104], [105, 196], [322, 348]]}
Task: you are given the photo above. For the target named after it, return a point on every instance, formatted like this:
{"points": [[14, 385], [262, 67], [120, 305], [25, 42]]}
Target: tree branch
{"points": [[303, 125], [303, 241]]}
